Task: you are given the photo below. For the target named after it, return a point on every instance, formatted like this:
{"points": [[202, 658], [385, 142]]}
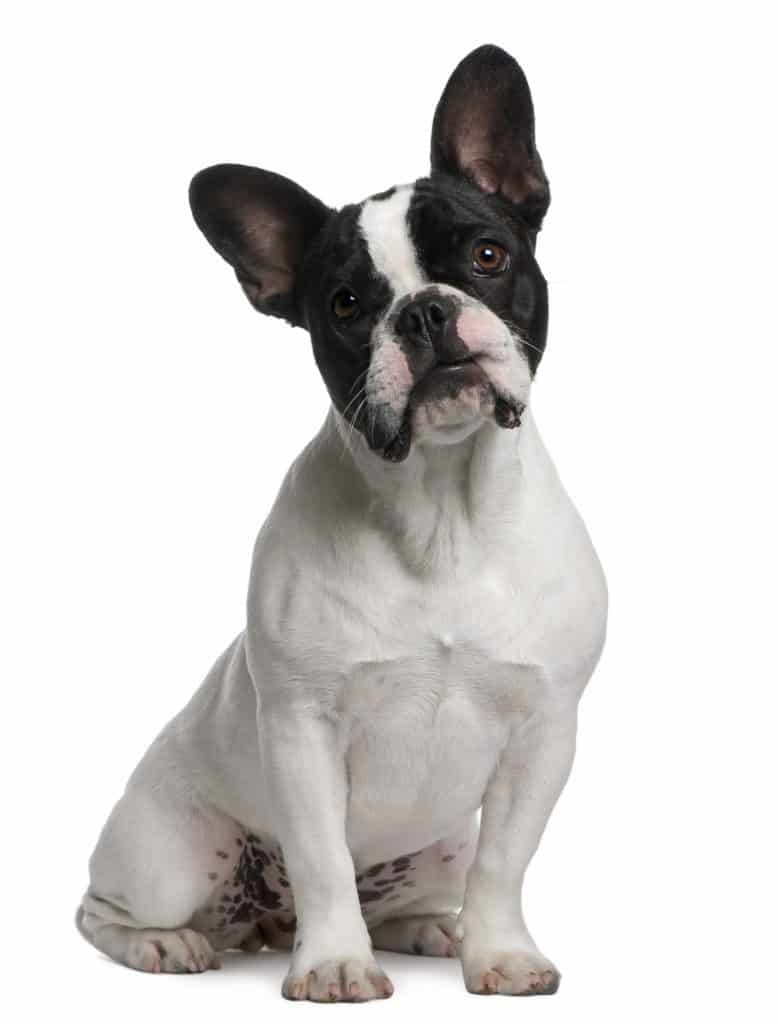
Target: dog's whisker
{"points": [[352, 422], [520, 336], [356, 398], [359, 377]]}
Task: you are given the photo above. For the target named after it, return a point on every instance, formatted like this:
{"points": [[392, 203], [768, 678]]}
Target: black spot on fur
{"points": [[245, 913], [369, 895], [249, 874], [255, 886]]}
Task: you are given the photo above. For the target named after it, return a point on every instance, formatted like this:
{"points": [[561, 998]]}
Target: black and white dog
{"points": [[425, 606]]}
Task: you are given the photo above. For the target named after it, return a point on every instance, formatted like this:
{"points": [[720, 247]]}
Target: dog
{"points": [[370, 765]]}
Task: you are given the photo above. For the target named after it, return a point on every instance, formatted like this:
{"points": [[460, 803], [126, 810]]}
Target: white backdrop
{"points": [[148, 415]]}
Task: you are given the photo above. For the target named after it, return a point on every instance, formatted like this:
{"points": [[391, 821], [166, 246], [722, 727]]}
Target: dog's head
{"points": [[426, 307]]}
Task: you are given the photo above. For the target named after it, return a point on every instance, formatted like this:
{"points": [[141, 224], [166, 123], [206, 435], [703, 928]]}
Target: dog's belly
{"points": [[421, 744]]}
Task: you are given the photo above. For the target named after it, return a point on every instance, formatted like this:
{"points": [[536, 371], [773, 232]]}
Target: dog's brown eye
{"points": [[345, 305], [489, 258]]}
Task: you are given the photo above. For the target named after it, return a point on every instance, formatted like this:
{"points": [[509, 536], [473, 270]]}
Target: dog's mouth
{"points": [[446, 380]]}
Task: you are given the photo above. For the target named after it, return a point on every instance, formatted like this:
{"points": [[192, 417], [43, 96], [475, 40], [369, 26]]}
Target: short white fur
{"points": [[384, 225]]}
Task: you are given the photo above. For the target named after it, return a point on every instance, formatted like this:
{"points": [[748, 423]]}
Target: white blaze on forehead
{"points": [[384, 225]]}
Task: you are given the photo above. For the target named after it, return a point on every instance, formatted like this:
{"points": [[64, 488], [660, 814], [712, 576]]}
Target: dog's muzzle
{"points": [[424, 357]]}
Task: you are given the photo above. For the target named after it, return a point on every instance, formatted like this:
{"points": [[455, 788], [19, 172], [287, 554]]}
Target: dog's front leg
{"points": [[498, 953], [332, 957]]}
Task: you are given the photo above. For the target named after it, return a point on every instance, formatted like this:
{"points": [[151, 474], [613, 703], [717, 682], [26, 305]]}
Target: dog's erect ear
{"points": [[262, 224], [484, 130]]}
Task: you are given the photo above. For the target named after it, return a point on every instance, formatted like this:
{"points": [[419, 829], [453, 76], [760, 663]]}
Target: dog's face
{"points": [[426, 307]]}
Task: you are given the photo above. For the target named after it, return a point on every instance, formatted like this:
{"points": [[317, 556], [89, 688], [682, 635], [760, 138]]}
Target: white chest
{"points": [[422, 727], [426, 705]]}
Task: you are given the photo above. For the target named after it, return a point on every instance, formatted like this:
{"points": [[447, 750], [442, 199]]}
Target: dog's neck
{"points": [[440, 506]]}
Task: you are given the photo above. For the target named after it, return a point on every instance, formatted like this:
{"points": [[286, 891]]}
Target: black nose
{"points": [[426, 320]]}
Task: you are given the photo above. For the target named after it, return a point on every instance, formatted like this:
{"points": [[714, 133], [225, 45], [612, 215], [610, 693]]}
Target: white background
{"points": [[148, 415]]}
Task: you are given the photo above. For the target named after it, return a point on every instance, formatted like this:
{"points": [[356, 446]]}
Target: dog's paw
{"points": [[338, 981], [162, 951], [509, 973], [421, 935]]}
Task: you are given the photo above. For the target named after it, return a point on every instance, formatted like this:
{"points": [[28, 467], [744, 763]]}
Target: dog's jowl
{"points": [[425, 606]]}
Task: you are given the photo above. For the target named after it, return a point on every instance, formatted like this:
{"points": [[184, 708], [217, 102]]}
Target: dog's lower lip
{"points": [[397, 449], [507, 413], [448, 369], [446, 379]]}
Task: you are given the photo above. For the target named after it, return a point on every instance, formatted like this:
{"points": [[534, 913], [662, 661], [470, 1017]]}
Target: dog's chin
{"points": [[449, 403]]}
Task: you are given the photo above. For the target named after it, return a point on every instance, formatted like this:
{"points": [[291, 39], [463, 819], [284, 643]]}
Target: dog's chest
{"points": [[426, 704], [443, 643]]}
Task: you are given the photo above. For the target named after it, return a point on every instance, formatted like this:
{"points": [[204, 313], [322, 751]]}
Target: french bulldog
{"points": [[370, 765]]}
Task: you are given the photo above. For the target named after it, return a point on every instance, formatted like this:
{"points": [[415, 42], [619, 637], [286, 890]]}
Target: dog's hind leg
{"points": [[420, 934], [165, 950], [158, 861]]}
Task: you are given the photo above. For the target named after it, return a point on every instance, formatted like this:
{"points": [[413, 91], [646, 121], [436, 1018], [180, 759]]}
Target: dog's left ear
{"points": [[484, 131]]}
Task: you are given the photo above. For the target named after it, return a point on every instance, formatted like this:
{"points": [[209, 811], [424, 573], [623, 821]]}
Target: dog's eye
{"points": [[345, 305], [489, 258]]}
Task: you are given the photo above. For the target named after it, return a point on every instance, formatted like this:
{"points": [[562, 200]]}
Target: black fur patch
{"points": [[447, 216], [340, 259]]}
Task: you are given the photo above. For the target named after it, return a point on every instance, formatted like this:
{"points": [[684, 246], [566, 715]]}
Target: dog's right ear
{"points": [[262, 224]]}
